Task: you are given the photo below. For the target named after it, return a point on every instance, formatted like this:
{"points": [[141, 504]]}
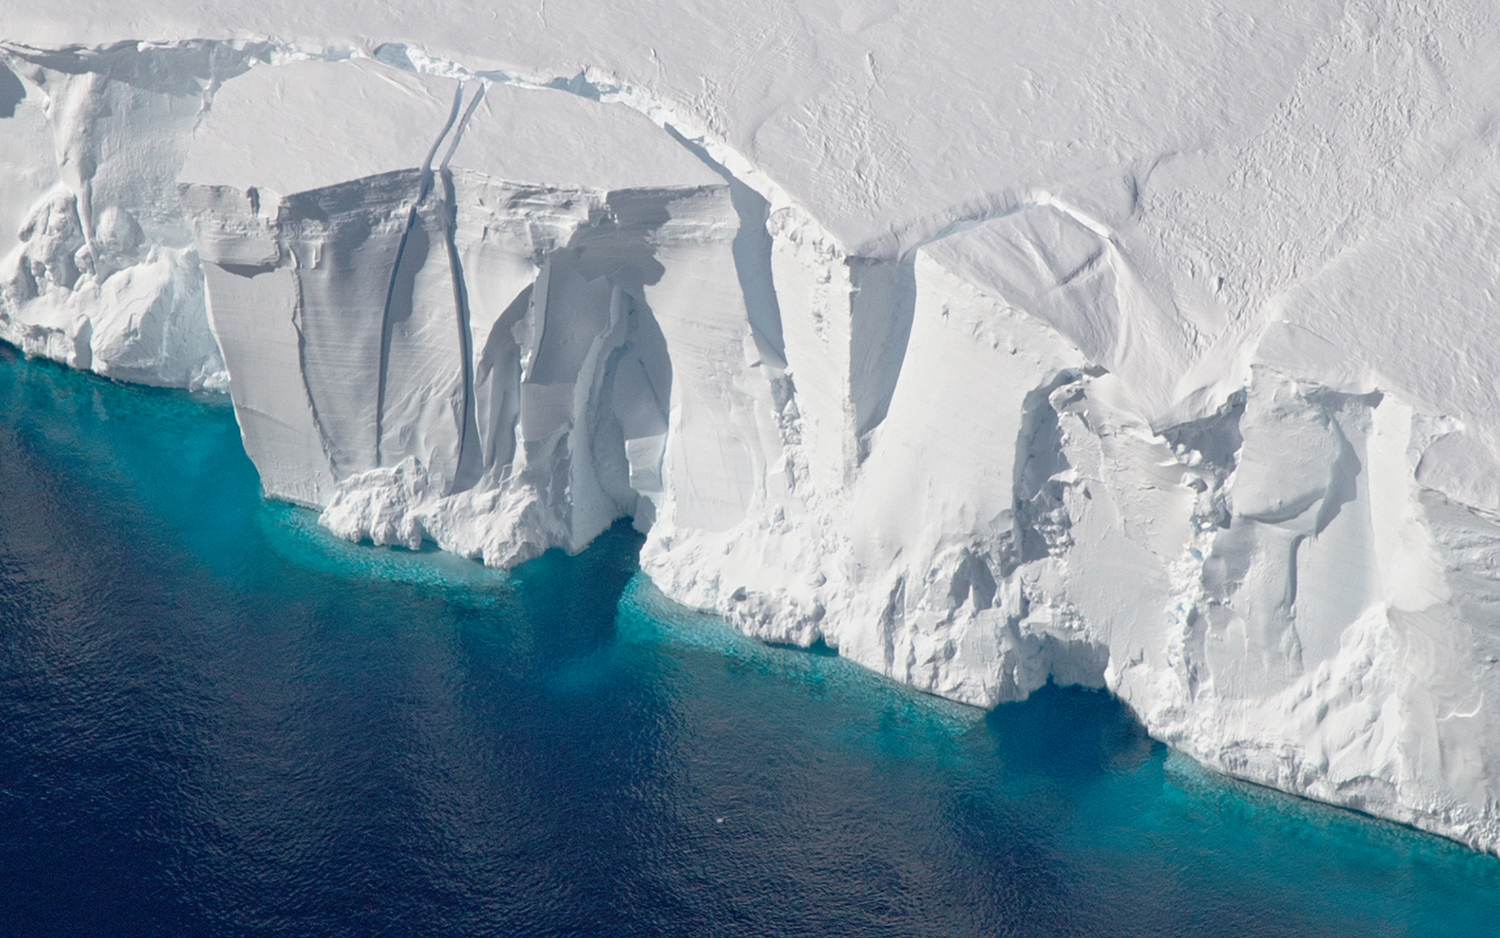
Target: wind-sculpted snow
{"points": [[1163, 365]]}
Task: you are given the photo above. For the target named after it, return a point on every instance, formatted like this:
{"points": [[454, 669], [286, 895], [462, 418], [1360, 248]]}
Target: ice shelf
{"points": [[1120, 344]]}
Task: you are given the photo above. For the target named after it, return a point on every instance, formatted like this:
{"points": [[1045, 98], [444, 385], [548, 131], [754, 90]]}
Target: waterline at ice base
{"points": [[219, 718], [1132, 346]]}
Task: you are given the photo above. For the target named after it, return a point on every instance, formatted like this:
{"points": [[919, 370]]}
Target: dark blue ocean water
{"points": [[216, 720]]}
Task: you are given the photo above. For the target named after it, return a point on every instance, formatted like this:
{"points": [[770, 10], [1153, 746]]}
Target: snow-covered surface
{"points": [[1135, 343]]}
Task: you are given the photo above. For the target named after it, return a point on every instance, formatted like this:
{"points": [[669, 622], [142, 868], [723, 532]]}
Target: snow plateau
{"points": [[1120, 344]]}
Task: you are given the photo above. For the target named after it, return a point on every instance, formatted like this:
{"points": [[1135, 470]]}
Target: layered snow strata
{"points": [[493, 317]]}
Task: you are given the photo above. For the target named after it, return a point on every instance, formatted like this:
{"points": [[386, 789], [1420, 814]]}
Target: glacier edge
{"points": [[1288, 570]]}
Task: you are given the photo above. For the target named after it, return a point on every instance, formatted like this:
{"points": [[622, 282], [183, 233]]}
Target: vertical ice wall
{"points": [[503, 334]]}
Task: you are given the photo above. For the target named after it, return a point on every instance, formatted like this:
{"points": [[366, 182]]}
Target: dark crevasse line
{"points": [[458, 134], [470, 460], [386, 328], [470, 464], [412, 221], [458, 100]]}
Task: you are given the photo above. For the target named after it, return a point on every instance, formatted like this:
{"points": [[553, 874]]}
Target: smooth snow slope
{"points": [[1126, 343]]}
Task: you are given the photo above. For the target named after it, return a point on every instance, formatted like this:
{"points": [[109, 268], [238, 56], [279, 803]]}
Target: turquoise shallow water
{"points": [[217, 720]]}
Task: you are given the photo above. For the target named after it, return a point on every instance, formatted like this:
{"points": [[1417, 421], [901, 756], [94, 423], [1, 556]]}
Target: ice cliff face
{"points": [[463, 334], [102, 273], [1242, 478]]}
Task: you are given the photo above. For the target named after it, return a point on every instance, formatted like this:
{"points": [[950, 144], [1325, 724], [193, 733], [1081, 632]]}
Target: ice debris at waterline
{"points": [[1146, 350]]}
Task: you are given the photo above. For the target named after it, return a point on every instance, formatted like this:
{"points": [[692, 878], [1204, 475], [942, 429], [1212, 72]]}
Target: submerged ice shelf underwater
{"points": [[1010, 442]]}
